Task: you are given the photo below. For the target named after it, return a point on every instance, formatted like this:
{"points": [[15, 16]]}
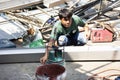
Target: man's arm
{"points": [[87, 31], [48, 48]]}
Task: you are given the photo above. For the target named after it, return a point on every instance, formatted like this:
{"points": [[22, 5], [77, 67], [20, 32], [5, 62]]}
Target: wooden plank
{"points": [[4, 0], [52, 3], [17, 4]]}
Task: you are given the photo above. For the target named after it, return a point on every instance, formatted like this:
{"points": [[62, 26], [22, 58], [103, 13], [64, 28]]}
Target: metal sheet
{"points": [[10, 29]]}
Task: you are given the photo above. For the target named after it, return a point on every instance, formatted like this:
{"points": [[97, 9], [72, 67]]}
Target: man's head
{"points": [[65, 17], [31, 31]]}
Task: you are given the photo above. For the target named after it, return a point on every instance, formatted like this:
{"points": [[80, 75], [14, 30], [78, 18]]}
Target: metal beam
{"points": [[14, 55], [91, 51]]}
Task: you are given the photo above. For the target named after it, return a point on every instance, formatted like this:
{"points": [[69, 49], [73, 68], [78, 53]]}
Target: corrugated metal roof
{"points": [[10, 29]]}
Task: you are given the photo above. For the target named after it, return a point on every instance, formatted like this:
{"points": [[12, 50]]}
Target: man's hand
{"points": [[43, 59]]}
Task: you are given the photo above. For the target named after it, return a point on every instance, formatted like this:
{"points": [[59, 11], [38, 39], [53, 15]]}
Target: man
{"points": [[31, 36], [69, 30]]}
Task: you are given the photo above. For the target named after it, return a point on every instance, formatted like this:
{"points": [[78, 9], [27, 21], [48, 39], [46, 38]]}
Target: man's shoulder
{"points": [[75, 17], [78, 20], [58, 24]]}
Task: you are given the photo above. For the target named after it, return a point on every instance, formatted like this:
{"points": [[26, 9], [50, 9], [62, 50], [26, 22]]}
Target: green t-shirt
{"points": [[58, 29]]}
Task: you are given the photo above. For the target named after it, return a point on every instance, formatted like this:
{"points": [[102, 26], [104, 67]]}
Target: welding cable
{"points": [[108, 76], [27, 75], [93, 77]]}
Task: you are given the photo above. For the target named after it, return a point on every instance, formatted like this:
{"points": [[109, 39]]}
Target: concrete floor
{"points": [[75, 70]]}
